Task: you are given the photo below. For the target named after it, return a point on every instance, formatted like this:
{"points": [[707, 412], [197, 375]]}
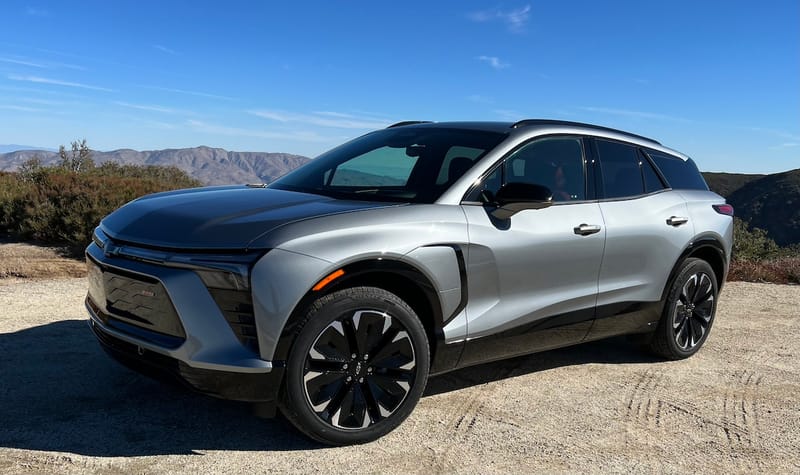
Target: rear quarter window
{"points": [[680, 174]]}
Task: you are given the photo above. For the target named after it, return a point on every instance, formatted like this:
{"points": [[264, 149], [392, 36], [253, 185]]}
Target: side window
{"points": [[651, 180], [619, 162], [555, 162], [680, 174]]}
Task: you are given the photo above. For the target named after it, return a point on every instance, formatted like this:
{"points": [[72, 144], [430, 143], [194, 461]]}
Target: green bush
{"points": [[63, 204], [752, 243]]}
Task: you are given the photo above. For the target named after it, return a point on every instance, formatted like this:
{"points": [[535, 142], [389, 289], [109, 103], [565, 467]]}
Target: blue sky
{"points": [[718, 80]]}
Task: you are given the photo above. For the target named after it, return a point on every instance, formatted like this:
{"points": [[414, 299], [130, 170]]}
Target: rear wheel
{"points": [[357, 368], [688, 312]]}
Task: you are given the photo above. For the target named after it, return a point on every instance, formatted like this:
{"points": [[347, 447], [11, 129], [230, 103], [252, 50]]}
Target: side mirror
{"points": [[515, 197]]}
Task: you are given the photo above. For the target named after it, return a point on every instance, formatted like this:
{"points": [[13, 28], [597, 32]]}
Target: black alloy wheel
{"points": [[688, 312], [693, 311], [357, 368]]}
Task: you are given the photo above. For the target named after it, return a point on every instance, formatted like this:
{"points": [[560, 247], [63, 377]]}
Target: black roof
{"points": [[508, 126]]}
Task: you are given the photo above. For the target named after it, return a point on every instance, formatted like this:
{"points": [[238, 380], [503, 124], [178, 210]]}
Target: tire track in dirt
{"points": [[651, 405], [464, 415]]}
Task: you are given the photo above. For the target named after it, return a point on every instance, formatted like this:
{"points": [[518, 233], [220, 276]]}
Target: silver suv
{"points": [[336, 291]]}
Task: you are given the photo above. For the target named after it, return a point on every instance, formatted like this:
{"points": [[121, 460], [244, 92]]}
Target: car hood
{"points": [[217, 217]]}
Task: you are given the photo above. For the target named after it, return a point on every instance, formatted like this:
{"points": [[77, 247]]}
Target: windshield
{"points": [[404, 164]]}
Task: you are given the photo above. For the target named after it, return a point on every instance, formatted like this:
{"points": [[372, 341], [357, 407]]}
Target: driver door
{"points": [[533, 278]]}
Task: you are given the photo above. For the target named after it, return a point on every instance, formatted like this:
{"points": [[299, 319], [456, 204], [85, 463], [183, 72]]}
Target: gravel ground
{"points": [[601, 407]]}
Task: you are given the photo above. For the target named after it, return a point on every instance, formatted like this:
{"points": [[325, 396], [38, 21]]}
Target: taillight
{"points": [[725, 209]]}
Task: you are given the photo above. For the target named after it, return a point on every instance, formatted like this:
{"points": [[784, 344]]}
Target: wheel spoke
{"points": [[325, 366], [703, 310], [324, 387], [695, 331], [388, 391], [398, 352], [704, 290], [331, 344], [693, 287], [350, 334], [680, 315], [335, 405], [682, 335], [373, 410]]}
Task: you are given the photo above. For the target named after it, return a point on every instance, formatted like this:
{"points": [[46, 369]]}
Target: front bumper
{"points": [[251, 387], [203, 352]]}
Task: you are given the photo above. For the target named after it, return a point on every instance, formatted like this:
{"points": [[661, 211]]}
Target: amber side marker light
{"points": [[327, 280]]}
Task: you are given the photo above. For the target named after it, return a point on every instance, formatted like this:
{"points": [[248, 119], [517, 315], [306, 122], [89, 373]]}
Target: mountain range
{"points": [[212, 166]]}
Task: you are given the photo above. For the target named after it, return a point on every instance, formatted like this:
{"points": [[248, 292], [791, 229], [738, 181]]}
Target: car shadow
{"points": [[60, 392]]}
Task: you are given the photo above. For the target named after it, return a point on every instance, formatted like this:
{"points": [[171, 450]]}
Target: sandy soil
{"points": [[601, 407], [25, 260]]}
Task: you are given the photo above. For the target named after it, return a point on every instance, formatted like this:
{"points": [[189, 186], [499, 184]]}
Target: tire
{"points": [[357, 368], [688, 312]]}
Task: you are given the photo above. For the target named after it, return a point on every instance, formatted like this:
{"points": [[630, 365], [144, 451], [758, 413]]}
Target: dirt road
{"points": [[602, 407]]}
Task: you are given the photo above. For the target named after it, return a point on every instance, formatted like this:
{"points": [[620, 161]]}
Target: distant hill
{"points": [[212, 166], [769, 202], [12, 147]]}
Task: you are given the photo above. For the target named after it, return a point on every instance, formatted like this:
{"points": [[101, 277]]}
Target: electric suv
{"points": [[336, 291]]}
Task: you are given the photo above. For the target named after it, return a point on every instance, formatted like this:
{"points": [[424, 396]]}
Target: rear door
{"points": [[533, 277], [647, 227]]}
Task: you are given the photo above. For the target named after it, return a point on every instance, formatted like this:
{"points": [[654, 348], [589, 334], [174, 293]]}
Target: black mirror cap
{"points": [[515, 197]]}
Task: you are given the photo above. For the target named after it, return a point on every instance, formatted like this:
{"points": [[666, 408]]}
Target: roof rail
{"points": [[409, 122], [525, 122]]}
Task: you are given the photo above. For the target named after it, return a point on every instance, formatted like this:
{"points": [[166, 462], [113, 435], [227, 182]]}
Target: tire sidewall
{"points": [[321, 313]]}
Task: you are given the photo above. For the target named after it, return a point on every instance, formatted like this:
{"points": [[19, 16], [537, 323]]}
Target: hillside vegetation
{"points": [[211, 166], [63, 203], [768, 202]]}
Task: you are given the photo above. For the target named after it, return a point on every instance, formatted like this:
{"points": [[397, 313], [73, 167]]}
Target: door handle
{"points": [[677, 220], [586, 229]]}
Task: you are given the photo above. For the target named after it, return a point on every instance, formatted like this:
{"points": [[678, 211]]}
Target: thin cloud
{"points": [[192, 93], [493, 61], [32, 11], [164, 49], [515, 20], [324, 119], [150, 107], [510, 115], [634, 114], [479, 99], [792, 138], [33, 63], [57, 82], [20, 108], [786, 145], [301, 136], [22, 62]]}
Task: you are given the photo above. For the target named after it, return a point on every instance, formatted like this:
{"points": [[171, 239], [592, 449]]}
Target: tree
{"points": [[80, 160], [32, 170]]}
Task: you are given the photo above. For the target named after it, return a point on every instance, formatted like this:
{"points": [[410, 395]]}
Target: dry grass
{"points": [[782, 270], [28, 261]]}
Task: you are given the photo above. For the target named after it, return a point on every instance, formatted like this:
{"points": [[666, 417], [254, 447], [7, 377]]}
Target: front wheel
{"points": [[688, 312], [357, 368]]}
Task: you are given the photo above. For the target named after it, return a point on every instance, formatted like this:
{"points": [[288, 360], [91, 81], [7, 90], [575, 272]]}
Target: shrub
{"points": [[63, 204], [783, 270], [752, 243]]}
